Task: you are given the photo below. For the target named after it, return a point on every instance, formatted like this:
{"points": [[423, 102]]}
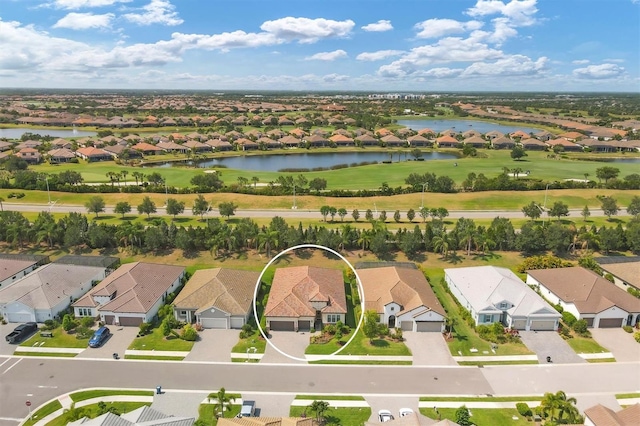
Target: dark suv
{"points": [[99, 337]]}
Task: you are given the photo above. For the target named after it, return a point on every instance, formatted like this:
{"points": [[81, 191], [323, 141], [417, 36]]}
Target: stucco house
{"points": [[15, 266], [132, 294], [587, 296], [493, 294], [305, 297], [44, 293], [624, 269], [217, 298], [599, 415], [403, 298]]}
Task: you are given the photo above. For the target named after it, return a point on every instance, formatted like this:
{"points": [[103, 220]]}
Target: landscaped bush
{"points": [[628, 328], [247, 330], [636, 336], [145, 328], [83, 332], [580, 327], [523, 409], [558, 308], [50, 324], [68, 323], [189, 333], [569, 318], [87, 322]]}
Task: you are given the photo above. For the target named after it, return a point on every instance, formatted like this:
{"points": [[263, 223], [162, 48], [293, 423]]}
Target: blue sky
{"points": [[372, 45]]}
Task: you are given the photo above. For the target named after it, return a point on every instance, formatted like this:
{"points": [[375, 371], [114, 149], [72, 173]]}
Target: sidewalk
{"points": [[38, 349], [496, 358], [156, 353]]}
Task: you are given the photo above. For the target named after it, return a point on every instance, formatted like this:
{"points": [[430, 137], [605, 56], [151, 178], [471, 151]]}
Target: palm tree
{"points": [[268, 239], [556, 405], [223, 402], [319, 407], [366, 236], [441, 244], [255, 180], [124, 174], [1, 206]]}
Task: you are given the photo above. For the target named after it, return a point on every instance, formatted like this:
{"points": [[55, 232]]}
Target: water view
{"points": [[17, 133], [463, 126], [273, 163]]}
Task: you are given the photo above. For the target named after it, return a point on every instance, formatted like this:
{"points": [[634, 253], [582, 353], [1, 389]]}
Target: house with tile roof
{"points": [[132, 294], [60, 155], [599, 415], [217, 298], [45, 292], [143, 416], [493, 294], [305, 297], [90, 153], [403, 298], [587, 296], [15, 266], [30, 155], [624, 269]]}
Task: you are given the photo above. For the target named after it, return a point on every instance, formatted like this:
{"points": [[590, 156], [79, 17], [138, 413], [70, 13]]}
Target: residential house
{"points": [[494, 134], [289, 141], [146, 148], [587, 296], [49, 290], [305, 297], [447, 141], [403, 298], [449, 132], [268, 143], [219, 145], [61, 143], [572, 136], [599, 415], [426, 132], [393, 140], [317, 140], [625, 270], [5, 146], [475, 141], [502, 143], [493, 294], [30, 155], [170, 146], [217, 298], [532, 144], [29, 144], [596, 145], [342, 140], [121, 151], [565, 144], [419, 141], [132, 294], [197, 146], [15, 266], [60, 155], [142, 416], [367, 140], [415, 419], [244, 144], [93, 154], [472, 132]]}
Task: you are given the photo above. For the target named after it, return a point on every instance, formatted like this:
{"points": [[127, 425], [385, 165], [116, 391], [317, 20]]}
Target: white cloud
{"points": [[84, 21], [327, 56], [434, 28], [509, 66], [306, 30], [520, 13], [580, 61], [602, 71], [78, 4], [443, 72], [378, 55], [380, 26], [335, 78], [156, 12], [226, 41], [616, 60]]}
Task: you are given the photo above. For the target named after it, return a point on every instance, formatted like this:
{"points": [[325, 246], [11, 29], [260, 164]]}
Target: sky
{"points": [[308, 45]]}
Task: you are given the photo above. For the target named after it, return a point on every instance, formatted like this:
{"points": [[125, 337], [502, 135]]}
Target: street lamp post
{"points": [[46, 179], [423, 189], [544, 205], [294, 197]]}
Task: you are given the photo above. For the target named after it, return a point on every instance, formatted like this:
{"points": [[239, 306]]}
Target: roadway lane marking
{"points": [[14, 364], [11, 419], [47, 387], [6, 361]]}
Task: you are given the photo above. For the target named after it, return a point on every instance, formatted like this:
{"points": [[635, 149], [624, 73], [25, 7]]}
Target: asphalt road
{"points": [[288, 214], [40, 379]]}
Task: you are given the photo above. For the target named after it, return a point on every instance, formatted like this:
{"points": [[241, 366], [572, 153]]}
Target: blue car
{"points": [[99, 337]]}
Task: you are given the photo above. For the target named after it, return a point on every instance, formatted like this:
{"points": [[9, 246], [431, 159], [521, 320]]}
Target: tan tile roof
{"points": [[229, 290], [628, 271], [587, 290], [133, 287], [603, 416], [10, 267], [293, 289], [404, 286]]}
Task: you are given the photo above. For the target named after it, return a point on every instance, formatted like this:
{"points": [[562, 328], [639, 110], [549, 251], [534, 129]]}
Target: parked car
{"points": [[405, 412], [248, 409], [21, 332], [385, 416], [99, 337]]}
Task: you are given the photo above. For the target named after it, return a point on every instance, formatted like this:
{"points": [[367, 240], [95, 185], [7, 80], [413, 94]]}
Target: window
{"points": [[393, 308], [183, 313], [485, 318], [333, 318], [504, 305]]}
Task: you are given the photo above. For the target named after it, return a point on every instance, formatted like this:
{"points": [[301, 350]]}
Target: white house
{"points": [[403, 298], [624, 269], [587, 296], [493, 294], [14, 267], [132, 294]]}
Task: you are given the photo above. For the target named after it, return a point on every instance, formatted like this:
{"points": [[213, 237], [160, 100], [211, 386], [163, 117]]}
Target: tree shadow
{"points": [[418, 257], [380, 343], [285, 258], [454, 258], [304, 254], [128, 218], [191, 254], [108, 251], [104, 217], [489, 255], [181, 219], [614, 220]]}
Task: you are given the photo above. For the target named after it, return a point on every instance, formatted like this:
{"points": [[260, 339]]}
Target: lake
{"points": [[273, 163], [16, 133], [463, 126]]}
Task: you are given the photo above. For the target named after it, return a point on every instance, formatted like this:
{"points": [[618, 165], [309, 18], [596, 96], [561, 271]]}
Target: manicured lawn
{"points": [[206, 414], [601, 360], [482, 416], [331, 397], [337, 416], [361, 346], [585, 345], [60, 339], [91, 411], [628, 395], [334, 362], [156, 341], [58, 355], [51, 407], [485, 399], [95, 393], [496, 362], [254, 341]]}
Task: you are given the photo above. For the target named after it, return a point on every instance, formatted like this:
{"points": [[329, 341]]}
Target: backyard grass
{"points": [[91, 411], [331, 397], [43, 412], [361, 345], [206, 413], [254, 341], [60, 339], [337, 416], [585, 345], [156, 341], [96, 393], [482, 416], [155, 358]]}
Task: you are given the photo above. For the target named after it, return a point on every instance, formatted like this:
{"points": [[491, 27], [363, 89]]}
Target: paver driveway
{"points": [[620, 343], [289, 342], [428, 348], [118, 342], [270, 405], [214, 345], [549, 343]]}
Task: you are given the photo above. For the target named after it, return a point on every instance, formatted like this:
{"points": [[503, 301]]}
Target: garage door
{"points": [[130, 321], [610, 322], [237, 322], [282, 325], [431, 326], [109, 319], [406, 325], [542, 325], [304, 325], [214, 322], [519, 324], [589, 321], [19, 317]]}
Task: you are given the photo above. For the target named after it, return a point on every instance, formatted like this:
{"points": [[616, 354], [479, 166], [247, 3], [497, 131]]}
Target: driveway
{"points": [[270, 404], [5, 347], [214, 345], [620, 343], [549, 343], [289, 342], [118, 342], [391, 403], [428, 348]]}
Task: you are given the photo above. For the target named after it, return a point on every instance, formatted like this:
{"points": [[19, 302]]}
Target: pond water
{"points": [[463, 126], [16, 133], [273, 163]]}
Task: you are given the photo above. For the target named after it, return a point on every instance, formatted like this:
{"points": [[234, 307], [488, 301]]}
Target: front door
{"points": [[317, 323], [392, 321]]}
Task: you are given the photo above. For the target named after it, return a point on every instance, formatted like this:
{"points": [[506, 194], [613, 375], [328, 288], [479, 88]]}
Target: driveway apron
{"points": [[550, 344], [289, 342], [620, 343], [214, 345], [428, 348], [118, 342]]}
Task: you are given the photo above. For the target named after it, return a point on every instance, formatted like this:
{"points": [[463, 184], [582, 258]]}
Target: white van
{"points": [[248, 409]]}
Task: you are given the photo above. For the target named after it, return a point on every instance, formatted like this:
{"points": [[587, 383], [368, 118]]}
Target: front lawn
{"points": [[43, 412], [206, 414], [331, 397], [96, 393], [337, 416], [585, 345], [482, 416], [156, 341], [60, 339], [255, 340], [92, 411], [360, 346]]}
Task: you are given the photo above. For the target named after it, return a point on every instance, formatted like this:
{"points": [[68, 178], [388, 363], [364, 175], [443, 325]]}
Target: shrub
{"points": [[523, 409], [83, 332], [329, 329], [383, 330], [628, 328], [580, 327], [569, 318], [145, 328], [247, 331], [198, 327], [68, 323], [189, 333], [636, 336], [559, 308], [50, 324], [87, 322], [165, 310]]}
